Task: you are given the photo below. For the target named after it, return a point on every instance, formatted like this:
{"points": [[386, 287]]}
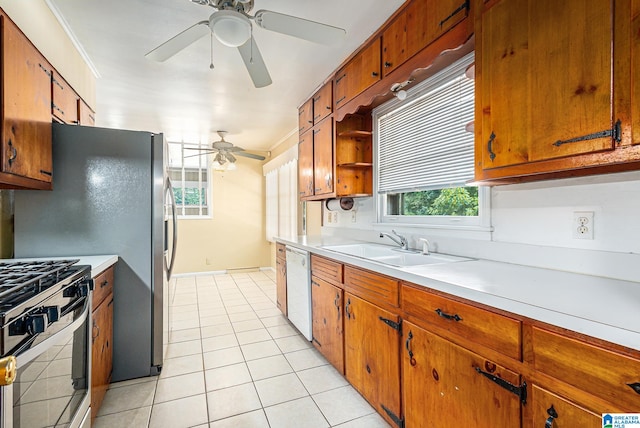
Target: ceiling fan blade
{"points": [[255, 64], [196, 148], [298, 27], [199, 154], [249, 155], [179, 42]]}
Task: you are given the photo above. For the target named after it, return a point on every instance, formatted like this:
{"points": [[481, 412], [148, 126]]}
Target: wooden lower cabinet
{"points": [[551, 411], [326, 301], [372, 356], [101, 338], [281, 284], [101, 353], [443, 387]]}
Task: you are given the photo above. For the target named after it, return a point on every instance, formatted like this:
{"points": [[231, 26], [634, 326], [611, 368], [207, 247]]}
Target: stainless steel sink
{"points": [[393, 256]]}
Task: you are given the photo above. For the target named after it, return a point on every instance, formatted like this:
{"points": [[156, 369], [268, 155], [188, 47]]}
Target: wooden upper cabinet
{"points": [[323, 102], [419, 24], [86, 116], [544, 88], [394, 44], [447, 385], [361, 72], [544, 407], [635, 72], [26, 105], [323, 175], [64, 102], [305, 165], [305, 116], [429, 19]]}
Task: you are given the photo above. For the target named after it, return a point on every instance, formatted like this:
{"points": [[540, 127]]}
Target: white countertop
{"points": [[98, 263], [604, 308]]}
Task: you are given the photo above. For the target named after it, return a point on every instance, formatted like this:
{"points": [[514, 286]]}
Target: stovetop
{"points": [[22, 281]]}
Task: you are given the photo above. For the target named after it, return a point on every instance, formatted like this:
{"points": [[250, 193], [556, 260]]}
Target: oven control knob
{"points": [[52, 312], [36, 323]]}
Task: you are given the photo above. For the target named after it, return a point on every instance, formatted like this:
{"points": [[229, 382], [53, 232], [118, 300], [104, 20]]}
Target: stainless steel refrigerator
{"points": [[111, 195]]}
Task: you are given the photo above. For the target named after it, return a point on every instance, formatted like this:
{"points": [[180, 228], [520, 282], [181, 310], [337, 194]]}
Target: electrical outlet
{"points": [[353, 216], [335, 216], [207, 261], [329, 216], [582, 225]]}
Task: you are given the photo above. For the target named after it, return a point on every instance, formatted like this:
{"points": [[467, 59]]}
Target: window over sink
{"points": [[190, 178], [425, 154]]}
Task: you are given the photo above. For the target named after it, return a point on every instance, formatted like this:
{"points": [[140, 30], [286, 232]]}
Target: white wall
{"points": [[532, 224]]}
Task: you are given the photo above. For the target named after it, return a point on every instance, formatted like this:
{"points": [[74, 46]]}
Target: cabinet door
{"points": [[305, 116], [394, 44], [26, 127], [323, 103], [545, 80], [372, 356], [326, 301], [64, 102], [551, 411], [635, 71], [86, 116], [323, 157], [101, 353], [429, 19], [360, 73], [281, 285], [305, 164], [441, 385]]}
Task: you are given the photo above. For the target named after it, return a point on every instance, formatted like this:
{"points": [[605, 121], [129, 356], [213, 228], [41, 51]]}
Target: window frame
{"points": [[481, 222], [203, 165]]}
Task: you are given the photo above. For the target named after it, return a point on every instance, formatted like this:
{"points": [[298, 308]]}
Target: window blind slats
{"points": [[422, 144]]}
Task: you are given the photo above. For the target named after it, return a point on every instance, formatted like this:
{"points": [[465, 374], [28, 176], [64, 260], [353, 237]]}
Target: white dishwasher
{"points": [[299, 290]]}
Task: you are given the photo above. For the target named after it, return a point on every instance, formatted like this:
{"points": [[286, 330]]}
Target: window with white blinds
{"points": [[422, 144], [425, 156]]}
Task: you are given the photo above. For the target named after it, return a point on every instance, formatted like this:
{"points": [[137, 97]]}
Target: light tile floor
{"points": [[234, 361]]}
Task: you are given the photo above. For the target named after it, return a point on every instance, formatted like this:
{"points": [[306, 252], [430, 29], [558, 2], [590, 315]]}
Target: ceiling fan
{"points": [[231, 24], [224, 152]]}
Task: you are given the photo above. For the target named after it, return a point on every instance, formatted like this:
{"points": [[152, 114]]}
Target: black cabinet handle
{"points": [[635, 387], [492, 155], [375, 74], [407, 345], [346, 309], [104, 283], [445, 315], [387, 64], [14, 152], [552, 415]]}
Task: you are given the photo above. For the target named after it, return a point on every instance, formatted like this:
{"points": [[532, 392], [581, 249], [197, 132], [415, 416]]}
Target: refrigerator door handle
{"points": [[174, 244]]}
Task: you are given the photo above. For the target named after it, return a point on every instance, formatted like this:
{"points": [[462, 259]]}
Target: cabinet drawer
{"points": [[102, 287], [329, 270], [543, 404], [281, 251], [497, 332], [598, 371], [371, 286]]}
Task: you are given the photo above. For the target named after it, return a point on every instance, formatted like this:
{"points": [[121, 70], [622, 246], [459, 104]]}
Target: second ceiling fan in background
{"points": [[231, 24]]}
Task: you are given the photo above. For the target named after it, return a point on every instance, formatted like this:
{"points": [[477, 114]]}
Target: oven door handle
{"points": [[56, 339]]}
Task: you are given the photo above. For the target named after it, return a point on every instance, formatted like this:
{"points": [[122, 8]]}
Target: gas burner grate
{"points": [[17, 276]]}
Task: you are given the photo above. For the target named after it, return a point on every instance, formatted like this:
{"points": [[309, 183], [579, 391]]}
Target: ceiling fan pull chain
{"points": [[211, 65], [251, 59]]}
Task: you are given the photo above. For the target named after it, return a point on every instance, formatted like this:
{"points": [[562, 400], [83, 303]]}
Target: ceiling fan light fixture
{"points": [[230, 28]]}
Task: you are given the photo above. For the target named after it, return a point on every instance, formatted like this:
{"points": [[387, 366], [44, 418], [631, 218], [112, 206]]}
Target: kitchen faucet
{"points": [[398, 239]]}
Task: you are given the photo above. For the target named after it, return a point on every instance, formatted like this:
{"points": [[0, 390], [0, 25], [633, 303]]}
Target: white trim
{"points": [[218, 272], [76, 43]]}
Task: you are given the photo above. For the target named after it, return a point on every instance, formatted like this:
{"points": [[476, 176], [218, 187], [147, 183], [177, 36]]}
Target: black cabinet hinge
{"points": [[394, 325], [615, 133], [316, 340], [463, 6], [519, 390], [398, 421]]}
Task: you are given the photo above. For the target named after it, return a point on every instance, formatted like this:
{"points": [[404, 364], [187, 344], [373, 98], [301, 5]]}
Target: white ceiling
{"points": [[186, 100]]}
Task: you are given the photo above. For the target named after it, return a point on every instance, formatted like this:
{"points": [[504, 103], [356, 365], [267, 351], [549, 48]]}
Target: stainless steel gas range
{"points": [[44, 344]]}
